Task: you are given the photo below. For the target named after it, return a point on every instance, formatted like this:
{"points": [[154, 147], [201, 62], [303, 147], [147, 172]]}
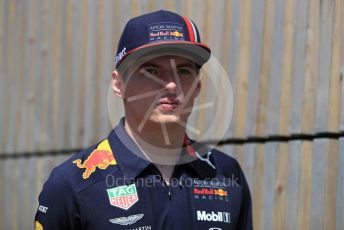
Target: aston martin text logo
{"points": [[123, 197], [127, 220], [214, 216]]}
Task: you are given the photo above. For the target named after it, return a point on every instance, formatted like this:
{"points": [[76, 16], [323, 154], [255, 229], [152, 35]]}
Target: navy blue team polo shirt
{"points": [[108, 186]]}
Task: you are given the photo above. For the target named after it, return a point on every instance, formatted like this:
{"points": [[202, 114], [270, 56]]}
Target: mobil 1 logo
{"points": [[224, 217]]}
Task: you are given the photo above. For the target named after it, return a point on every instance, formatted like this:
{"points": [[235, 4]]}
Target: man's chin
{"points": [[167, 119]]}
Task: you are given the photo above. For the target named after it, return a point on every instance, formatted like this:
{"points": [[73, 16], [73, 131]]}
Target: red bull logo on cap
{"points": [[100, 158], [158, 32]]}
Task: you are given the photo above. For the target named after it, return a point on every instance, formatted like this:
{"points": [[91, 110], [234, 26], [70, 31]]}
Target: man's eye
{"points": [[151, 71], [185, 71]]}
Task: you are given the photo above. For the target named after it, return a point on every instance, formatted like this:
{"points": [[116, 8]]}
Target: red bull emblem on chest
{"points": [[100, 158], [123, 197]]}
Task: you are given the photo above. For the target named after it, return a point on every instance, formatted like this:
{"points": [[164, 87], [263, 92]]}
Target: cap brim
{"points": [[197, 52]]}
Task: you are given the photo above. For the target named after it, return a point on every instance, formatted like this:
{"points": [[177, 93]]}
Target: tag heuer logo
{"points": [[123, 197], [126, 220]]}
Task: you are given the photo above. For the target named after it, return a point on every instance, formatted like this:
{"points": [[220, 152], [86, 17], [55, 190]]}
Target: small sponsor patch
{"points": [[165, 31], [42, 208], [123, 197], [120, 55], [127, 220], [38, 226]]}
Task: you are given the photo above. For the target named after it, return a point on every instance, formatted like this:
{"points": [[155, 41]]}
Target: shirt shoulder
{"points": [[57, 208], [58, 200], [88, 166]]}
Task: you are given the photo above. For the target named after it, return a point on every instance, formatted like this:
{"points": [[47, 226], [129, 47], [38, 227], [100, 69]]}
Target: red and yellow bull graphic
{"points": [[220, 192], [176, 34], [100, 158]]}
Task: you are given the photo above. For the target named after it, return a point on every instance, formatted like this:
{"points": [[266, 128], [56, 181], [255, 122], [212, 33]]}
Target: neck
{"points": [[161, 144], [157, 140]]}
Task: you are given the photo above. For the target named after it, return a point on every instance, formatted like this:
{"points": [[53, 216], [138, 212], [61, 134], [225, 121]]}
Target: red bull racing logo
{"points": [[205, 191], [210, 194], [100, 158]]}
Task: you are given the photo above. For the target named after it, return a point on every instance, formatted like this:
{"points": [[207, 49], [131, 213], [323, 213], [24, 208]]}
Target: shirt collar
{"points": [[131, 160], [200, 159]]}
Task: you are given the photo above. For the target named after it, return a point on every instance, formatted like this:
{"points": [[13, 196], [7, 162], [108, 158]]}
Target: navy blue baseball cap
{"points": [[160, 32]]}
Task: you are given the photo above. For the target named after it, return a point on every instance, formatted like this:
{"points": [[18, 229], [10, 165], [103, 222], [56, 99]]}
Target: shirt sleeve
{"points": [[57, 208], [245, 216]]}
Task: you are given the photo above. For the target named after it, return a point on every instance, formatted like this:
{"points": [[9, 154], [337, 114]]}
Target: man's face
{"points": [[162, 90]]}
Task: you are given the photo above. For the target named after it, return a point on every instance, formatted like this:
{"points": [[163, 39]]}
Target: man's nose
{"points": [[170, 81]]}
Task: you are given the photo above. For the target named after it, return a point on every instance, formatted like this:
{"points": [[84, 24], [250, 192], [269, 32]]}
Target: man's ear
{"points": [[117, 84], [198, 87]]}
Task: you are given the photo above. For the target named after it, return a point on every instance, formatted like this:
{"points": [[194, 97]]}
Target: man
{"points": [[148, 174]]}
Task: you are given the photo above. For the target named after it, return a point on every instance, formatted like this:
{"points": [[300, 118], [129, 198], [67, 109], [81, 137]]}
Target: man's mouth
{"points": [[168, 104]]}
